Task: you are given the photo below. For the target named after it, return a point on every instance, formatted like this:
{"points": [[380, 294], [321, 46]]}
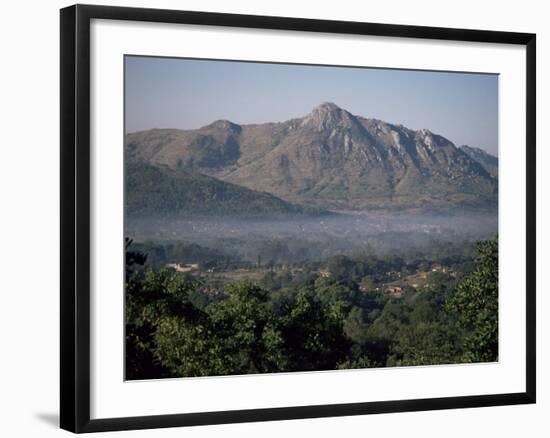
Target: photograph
{"points": [[287, 218]]}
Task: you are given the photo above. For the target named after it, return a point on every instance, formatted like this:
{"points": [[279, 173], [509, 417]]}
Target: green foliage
{"points": [[312, 332], [475, 300], [355, 326], [152, 297], [151, 190], [425, 343], [307, 322]]}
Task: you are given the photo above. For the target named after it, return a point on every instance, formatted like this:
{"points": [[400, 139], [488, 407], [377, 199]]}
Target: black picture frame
{"points": [[75, 217]]}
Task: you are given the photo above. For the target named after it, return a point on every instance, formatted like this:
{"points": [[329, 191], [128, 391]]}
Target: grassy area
{"points": [[418, 279], [251, 274]]}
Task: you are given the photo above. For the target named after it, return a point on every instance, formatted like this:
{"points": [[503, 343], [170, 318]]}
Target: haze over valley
{"points": [[322, 242], [325, 184]]}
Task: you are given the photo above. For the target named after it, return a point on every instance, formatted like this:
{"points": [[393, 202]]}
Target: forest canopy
{"points": [[311, 321]]}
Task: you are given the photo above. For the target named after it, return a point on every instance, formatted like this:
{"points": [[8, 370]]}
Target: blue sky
{"points": [[182, 93]]}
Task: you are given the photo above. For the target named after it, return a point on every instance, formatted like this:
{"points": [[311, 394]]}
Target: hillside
{"points": [[154, 190], [329, 158], [488, 161]]}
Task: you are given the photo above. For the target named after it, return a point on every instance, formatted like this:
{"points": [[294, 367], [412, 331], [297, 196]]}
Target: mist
{"points": [[315, 238]]}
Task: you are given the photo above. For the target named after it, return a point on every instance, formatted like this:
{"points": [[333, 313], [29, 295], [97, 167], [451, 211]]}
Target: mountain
{"points": [[488, 161], [329, 158], [212, 146], [153, 190]]}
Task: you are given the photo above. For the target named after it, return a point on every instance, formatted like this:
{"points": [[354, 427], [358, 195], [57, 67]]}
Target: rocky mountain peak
{"points": [[223, 125], [329, 158], [431, 140], [327, 106], [425, 133], [328, 115]]}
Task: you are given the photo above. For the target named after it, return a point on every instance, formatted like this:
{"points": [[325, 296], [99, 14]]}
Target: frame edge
{"points": [[75, 219], [68, 395], [531, 218]]}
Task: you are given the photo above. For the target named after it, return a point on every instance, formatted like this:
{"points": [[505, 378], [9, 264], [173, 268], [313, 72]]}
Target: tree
{"points": [[244, 334], [426, 341], [355, 327], [175, 328], [312, 332], [475, 299], [134, 259], [154, 298], [240, 326]]}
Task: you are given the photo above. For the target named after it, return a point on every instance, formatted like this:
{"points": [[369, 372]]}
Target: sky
{"points": [[188, 94]]}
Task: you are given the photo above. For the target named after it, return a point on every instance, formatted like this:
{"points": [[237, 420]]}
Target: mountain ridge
{"points": [[487, 160], [155, 190], [329, 159]]}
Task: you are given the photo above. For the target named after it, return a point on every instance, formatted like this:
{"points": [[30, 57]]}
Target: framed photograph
{"points": [[267, 218]]}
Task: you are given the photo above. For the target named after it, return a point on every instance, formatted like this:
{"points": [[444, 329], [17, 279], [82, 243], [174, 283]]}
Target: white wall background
{"points": [[29, 200]]}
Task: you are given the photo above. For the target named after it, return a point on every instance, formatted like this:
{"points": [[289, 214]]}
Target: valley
{"points": [[329, 241]]}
